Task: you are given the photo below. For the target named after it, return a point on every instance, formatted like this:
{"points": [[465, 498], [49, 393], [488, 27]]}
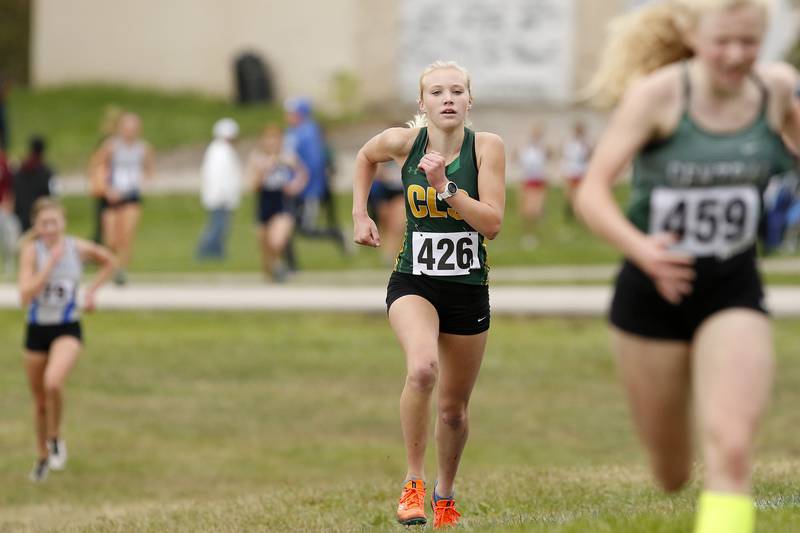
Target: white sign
{"points": [[515, 50]]}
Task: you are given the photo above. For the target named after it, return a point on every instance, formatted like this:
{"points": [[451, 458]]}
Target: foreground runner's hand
{"points": [[432, 164], [89, 304], [672, 272], [365, 232]]}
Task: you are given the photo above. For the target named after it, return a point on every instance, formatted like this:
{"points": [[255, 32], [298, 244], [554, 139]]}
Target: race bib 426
{"points": [[712, 221], [445, 254]]}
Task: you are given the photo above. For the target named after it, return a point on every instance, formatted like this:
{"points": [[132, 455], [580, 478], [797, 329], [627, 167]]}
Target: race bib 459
{"points": [[711, 221], [445, 254]]}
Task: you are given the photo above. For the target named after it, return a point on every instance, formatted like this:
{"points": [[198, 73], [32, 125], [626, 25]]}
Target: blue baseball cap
{"points": [[298, 104]]}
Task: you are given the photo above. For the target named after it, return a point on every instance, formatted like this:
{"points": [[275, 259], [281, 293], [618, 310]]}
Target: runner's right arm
{"points": [[393, 143], [631, 126]]}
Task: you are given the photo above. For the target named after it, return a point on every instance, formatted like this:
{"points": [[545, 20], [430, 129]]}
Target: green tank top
{"points": [[707, 187], [438, 241]]}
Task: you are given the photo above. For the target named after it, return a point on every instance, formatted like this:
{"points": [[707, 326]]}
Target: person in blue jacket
{"points": [[304, 137]]}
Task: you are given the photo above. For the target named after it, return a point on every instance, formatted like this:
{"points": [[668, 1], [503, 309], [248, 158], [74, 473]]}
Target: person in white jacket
{"points": [[221, 188]]}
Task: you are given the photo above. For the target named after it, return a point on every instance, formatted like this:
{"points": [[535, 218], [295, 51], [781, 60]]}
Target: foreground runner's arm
{"points": [[786, 82], [394, 143], [631, 126], [782, 81], [486, 214], [102, 256]]}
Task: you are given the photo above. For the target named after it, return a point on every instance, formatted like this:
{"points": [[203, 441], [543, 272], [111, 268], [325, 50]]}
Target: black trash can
{"points": [[253, 79]]}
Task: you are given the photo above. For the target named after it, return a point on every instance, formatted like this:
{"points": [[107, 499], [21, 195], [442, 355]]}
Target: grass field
{"points": [[172, 224], [287, 422]]}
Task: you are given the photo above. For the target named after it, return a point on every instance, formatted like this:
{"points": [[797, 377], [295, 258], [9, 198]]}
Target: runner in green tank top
{"points": [[463, 255], [689, 321], [438, 300]]}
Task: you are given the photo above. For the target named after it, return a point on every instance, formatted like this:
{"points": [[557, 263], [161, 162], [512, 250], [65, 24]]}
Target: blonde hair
{"points": [[110, 121], [420, 120], [646, 39], [42, 204]]}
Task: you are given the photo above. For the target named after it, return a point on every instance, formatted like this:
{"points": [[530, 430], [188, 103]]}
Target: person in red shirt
{"points": [[9, 226]]}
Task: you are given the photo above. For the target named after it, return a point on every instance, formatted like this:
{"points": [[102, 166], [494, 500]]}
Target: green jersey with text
{"points": [[438, 241], [706, 187]]}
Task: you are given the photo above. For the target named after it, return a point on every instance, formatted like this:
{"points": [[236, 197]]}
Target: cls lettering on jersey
{"points": [[423, 203]]}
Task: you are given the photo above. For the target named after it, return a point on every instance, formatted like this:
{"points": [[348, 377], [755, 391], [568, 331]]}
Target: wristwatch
{"points": [[450, 189]]}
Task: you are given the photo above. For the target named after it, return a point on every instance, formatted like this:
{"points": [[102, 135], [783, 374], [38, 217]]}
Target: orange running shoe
{"points": [[411, 509], [444, 512]]}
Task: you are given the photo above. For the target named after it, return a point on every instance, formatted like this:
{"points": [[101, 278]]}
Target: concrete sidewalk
{"points": [[563, 300], [500, 276]]}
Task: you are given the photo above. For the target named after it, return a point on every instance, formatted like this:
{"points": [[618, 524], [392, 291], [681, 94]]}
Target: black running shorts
{"points": [[463, 308], [133, 197], [719, 284], [39, 338]]}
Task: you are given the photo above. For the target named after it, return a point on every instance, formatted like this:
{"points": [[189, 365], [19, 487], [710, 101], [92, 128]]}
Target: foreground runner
{"points": [[49, 273], [704, 129], [438, 298]]}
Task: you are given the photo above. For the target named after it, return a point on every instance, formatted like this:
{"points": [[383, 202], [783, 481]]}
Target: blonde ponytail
{"points": [[420, 120], [646, 39]]}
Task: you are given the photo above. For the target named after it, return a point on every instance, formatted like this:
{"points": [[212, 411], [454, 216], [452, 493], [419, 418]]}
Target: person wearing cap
{"points": [[221, 188], [304, 137]]}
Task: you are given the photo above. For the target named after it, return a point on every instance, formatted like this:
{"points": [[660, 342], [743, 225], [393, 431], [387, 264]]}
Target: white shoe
{"points": [[39, 471], [58, 454]]}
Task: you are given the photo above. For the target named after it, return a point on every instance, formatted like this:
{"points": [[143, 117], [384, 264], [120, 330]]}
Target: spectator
{"points": [[9, 227], [31, 182], [221, 187], [304, 138]]}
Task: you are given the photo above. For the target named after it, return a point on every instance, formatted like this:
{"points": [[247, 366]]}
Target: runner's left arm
{"points": [[486, 214]]}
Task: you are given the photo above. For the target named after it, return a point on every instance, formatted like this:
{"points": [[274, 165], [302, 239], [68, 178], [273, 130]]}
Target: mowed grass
{"points": [[288, 422], [171, 226]]}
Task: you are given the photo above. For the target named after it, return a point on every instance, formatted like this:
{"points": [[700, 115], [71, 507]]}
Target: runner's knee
{"points": [[422, 377]]}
